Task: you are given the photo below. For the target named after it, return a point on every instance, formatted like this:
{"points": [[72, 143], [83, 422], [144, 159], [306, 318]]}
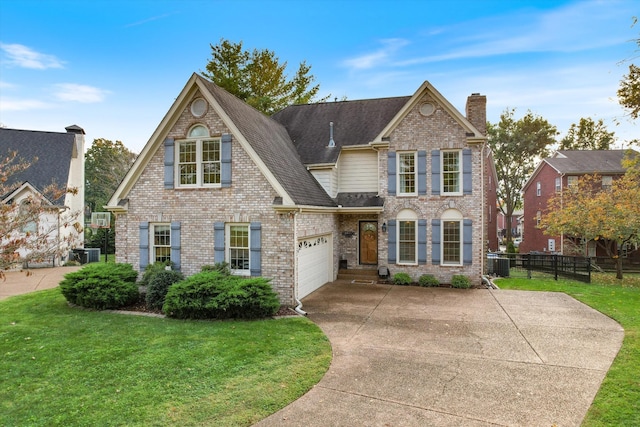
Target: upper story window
{"points": [[407, 173], [558, 184], [538, 188], [198, 159], [607, 181], [451, 172], [572, 181]]}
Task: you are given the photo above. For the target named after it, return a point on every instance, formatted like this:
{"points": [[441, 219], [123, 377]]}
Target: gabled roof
{"points": [[53, 151], [264, 140], [361, 122], [576, 162], [583, 162], [354, 123]]}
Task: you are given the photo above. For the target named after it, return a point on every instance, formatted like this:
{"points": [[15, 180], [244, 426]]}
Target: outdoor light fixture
{"points": [[384, 227]]}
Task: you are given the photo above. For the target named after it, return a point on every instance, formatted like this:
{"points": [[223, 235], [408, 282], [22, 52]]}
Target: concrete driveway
{"points": [[409, 356]]}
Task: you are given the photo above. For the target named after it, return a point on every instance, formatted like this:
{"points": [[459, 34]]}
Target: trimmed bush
{"points": [[101, 286], [212, 295], [460, 281], [428, 280], [220, 267], [401, 279], [158, 287], [153, 269]]}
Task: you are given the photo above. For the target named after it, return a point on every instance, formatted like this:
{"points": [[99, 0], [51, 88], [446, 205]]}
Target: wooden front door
{"points": [[369, 242]]}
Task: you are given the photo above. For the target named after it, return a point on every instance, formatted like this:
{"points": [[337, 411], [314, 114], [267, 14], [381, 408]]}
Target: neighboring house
{"points": [[60, 161], [553, 175], [396, 182], [516, 223]]}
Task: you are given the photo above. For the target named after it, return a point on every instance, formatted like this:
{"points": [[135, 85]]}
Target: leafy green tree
{"points": [[259, 78], [106, 163], [516, 146], [629, 91], [588, 135]]}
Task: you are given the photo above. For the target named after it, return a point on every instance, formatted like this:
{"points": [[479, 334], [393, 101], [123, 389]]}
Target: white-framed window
{"points": [[407, 174], [538, 218], [451, 221], [198, 159], [538, 189], [607, 181], [558, 184], [451, 169], [572, 181], [160, 243], [238, 250], [407, 221]]}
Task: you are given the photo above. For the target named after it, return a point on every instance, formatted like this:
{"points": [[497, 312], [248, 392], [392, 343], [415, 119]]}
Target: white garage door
{"points": [[315, 266]]}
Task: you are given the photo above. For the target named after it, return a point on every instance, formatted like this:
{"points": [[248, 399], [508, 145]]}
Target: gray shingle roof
{"points": [[52, 149], [354, 123], [588, 161], [274, 146]]}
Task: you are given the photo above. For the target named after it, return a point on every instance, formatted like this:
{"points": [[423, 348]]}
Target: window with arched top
{"points": [[198, 159], [451, 237]]}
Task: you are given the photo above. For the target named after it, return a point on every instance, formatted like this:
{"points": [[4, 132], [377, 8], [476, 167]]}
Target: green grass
{"points": [[618, 400], [66, 366]]}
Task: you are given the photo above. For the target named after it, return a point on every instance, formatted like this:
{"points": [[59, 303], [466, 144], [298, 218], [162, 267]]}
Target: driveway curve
{"points": [[410, 356]]}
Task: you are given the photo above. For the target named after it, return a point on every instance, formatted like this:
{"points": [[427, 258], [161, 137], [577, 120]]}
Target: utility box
{"points": [[501, 267], [93, 254]]}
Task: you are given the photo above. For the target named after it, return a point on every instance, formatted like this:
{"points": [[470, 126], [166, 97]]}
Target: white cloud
{"points": [[79, 93], [370, 60], [25, 57], [8, 104]]}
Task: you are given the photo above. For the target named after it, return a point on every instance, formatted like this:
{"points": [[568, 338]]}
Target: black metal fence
{"points": [[530, 265]]}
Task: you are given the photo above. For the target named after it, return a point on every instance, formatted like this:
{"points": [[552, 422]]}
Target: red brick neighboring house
{"points": [[555, 174]]}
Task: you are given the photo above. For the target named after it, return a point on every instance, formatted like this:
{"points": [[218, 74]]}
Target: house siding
{"points": [[249, 199], [438, 131], [357, 171]]}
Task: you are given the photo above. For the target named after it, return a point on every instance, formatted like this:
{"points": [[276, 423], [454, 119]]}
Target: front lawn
{"points": [[69, 366], [618, 400]]}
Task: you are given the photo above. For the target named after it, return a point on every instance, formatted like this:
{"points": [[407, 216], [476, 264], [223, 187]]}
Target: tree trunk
{"points": [[619, 268]]}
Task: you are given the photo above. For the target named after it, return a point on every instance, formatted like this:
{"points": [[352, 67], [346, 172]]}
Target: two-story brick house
{"points": [[553, 175], [396, 182]]}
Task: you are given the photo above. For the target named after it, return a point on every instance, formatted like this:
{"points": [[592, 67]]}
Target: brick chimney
{"points": [[476, 111]]}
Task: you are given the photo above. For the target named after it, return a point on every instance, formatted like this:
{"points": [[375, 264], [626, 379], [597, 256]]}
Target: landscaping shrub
{"points": [[460, 281], [428, 280], [158, 287], [153, 269], [401, 279], [101, 286], [213, 295]]}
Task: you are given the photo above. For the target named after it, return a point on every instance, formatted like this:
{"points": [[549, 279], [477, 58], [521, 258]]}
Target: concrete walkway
{"points": [[409, 356], [35, 279]]}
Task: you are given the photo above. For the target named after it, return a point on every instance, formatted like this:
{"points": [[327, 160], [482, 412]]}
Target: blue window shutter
{"points": [[144, 245], [255, 248], [422, 241], [467, 242], [467, 177], [225, 160], [218, 242], [435, 172], [391, 172], [391, 241], [422, 172], [175, 245], [169, 158], [435, 242]]}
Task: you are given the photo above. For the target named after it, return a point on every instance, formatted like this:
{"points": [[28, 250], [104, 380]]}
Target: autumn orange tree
{"points": [[608, 216], [27, 232]]}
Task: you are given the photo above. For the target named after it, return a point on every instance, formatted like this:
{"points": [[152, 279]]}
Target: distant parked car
{"points": [[517, 241]]}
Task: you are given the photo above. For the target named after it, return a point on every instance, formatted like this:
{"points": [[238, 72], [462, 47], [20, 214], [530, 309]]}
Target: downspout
{"points": [[485, 227]]}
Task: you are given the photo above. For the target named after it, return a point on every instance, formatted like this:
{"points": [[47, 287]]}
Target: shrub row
{"points": [[457, 281]]}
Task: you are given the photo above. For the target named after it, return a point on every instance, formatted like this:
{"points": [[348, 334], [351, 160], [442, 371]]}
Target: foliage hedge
{"points": [[401, 279], [153, 269], [460, 281], [159, 286], [213, 295], [428, 280], [101, 286]]}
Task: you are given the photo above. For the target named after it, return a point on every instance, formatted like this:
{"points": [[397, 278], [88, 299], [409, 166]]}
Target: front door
{"points": [[369, 242]]}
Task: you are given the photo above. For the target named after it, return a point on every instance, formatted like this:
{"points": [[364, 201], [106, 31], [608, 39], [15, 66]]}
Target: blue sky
{"points": [[115, 67]]}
